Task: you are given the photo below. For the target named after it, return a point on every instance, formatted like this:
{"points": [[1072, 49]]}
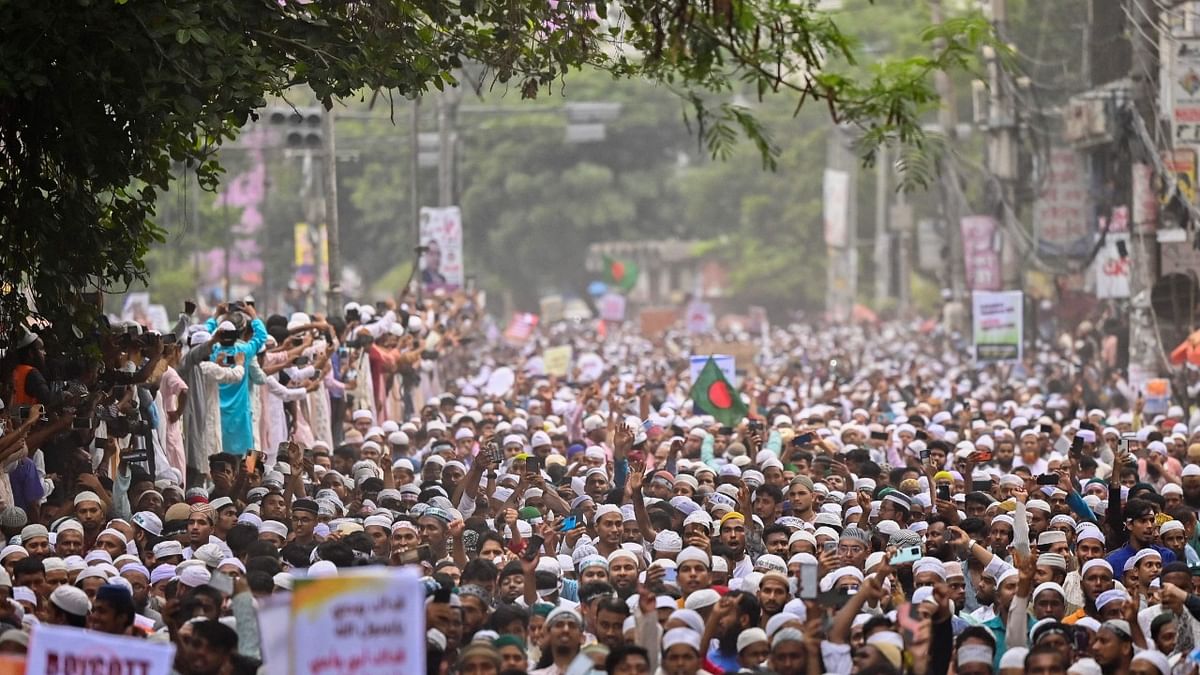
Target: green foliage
{"points": [[99, 98]]}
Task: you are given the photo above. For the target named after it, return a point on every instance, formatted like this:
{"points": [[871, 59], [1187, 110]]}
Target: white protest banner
{"points": [[442, 236], [612, 307], [60, 650], [699, 317], [1112, 268], [557, 360], [997, 321], [371, 621]]}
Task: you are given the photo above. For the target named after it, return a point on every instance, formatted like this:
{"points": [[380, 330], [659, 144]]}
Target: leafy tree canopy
{"points": [[98, 98]]}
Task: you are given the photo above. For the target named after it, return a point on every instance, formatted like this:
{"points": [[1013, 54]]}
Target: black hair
{"points": [[611, 605], [260, 581], [1139, 508], [479, 569], [618, 654], [336, 552], [591, 590], [240, 537], [748, 605], [28, 566], [1046, 649], [261, 549], [297, 554], [346, 452], [771, 491], [775, 529], [977, 632], [869, 469], [513, 567], [216, 635], [506, 614]]}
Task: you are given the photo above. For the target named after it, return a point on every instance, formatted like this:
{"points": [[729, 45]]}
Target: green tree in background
{"points": [[99, 97]]}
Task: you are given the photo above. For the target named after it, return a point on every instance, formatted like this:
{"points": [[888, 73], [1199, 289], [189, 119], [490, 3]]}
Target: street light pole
{"points": [[414, 184], [333, 239]]}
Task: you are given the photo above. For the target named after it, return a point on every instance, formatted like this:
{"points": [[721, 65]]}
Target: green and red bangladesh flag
{"points": [[620, 274], [712, 392]]}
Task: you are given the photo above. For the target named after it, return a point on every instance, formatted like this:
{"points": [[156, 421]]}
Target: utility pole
{"points": [[951, 191], [1002, 150], [904, 296], [883, 257], [842, 256], [1143, 339], [329, 150], [414, 185], [447, 109]]}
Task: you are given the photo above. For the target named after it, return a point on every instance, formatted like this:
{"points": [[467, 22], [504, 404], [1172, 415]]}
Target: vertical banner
{"points": [[442, 237], [1185, 91], [557, 360], [997, 322], [1180, 163], [836, 207], [612, 307], [1060, 215], [981, 258], [1110, 269], [699, 317]]}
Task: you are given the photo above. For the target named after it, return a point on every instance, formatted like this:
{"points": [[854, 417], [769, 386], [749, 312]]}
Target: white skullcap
{"points": [[681, 636], [693, 553]]}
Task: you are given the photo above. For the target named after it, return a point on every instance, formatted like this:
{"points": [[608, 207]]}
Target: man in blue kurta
{"points": [[237, 428]]}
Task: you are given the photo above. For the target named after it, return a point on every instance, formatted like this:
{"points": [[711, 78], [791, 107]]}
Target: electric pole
{"points": [[951, 191], [329, 150], [883, 257], [1143, 340], [447, 110], [414, 184], [1002, 150]]}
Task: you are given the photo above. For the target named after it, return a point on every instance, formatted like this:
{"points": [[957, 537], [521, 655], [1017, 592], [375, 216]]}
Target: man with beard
{"points": [[623, 572], [512, 582], [564, 630], [608, 619], [1191, 485], [1112, 646], [1097, 577], [733, 614], [773, 594], [1003, 455]]}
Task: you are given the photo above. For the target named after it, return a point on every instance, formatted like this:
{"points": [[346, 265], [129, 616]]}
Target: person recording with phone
{"points": [[239, 332]]}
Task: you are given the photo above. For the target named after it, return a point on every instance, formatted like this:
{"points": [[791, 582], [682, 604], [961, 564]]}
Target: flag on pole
{"points": [[621, 274], [712, 392]]}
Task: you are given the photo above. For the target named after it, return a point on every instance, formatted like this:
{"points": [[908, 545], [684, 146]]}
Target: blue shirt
{"points": [[1118, 557], [237, 427]]}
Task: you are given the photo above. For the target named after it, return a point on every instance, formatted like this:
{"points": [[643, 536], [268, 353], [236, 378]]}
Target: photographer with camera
{"points": [[238, 332]]}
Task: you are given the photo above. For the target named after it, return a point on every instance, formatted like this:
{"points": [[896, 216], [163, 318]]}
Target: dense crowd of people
{"points": [[886, 505]]}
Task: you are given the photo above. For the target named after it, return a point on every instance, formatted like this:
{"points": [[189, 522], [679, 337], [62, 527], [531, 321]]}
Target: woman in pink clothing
{"points": [[174, 391]]}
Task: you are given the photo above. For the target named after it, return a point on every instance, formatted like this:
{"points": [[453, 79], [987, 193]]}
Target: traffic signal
{"points": [[301, 127]]}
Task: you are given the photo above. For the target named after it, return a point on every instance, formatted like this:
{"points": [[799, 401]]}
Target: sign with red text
{"points": [[1060, 213], [371, 621], [60, 650], [1112, 268], [981, 256]]}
